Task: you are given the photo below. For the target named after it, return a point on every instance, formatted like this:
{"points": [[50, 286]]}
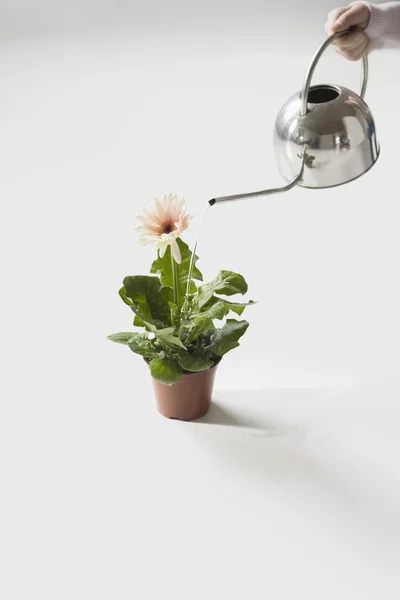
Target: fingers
{"points": [[333, 17], [345, 17], [355, 44], [350, 40], [355, 51]]}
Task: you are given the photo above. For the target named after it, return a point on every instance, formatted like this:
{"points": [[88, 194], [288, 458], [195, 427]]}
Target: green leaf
{"points": [[203, 343], [236, 307], [216, 308], [124, 297], [148, 301], [197, 325], [175, 313], [193, 364], [137, 342], [121, 338], [166, 371], [138, 322], [140, 344], [226, 282], [163, 266], [239, 308], [166, 336], [225, 339], [203, 320]]}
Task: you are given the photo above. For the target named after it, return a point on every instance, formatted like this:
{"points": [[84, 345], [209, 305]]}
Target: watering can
{"points": [[324, 135]]}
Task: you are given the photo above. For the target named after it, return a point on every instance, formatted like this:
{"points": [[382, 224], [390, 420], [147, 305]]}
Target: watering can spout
{"points": [[334, 122], [268, 192]]}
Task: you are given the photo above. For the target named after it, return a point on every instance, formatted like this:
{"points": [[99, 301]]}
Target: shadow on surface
{"points": [[221, 415], [247, 409], [314, 445]]}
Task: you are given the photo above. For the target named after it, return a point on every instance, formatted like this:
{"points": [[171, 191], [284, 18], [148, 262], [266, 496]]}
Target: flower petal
{"points": [[167, 212], [160, 210], [146, 240], [176, 253]]}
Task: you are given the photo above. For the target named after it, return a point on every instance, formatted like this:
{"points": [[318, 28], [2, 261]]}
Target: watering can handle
{"points": [[311, 68]]}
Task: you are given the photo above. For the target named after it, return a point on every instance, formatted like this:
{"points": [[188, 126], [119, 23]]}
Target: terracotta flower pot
{"points": [[189, 398]]}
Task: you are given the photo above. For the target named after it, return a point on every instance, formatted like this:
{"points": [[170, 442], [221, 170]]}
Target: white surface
{"points": [[290, 487]]}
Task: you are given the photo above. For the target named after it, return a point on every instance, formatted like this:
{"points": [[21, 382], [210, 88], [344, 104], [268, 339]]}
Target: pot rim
{"points": [[216, 363]]}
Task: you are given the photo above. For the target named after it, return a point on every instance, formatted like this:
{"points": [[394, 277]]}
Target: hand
{"points": [[355, 44]]}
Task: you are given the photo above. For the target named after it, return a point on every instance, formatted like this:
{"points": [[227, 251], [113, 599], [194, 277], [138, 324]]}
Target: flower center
{"points": [[168, 227]]}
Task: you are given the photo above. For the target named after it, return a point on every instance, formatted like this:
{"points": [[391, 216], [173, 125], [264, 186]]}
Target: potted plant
{"points": [[178, 337]]}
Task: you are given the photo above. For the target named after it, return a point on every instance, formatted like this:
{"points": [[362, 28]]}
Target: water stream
{"points": [[191, 265]]}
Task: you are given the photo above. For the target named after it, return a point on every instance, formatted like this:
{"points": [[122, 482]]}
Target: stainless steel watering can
{"points": [[324, 135]]}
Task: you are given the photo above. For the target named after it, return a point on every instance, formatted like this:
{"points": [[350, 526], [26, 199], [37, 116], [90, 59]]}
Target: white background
{"points": [[289, 487]]}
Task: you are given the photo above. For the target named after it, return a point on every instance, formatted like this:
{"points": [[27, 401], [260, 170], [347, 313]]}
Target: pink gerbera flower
{"points": [[163, 224]]}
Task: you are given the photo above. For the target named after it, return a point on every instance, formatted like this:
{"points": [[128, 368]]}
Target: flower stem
{"points": [[175, 280]]}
